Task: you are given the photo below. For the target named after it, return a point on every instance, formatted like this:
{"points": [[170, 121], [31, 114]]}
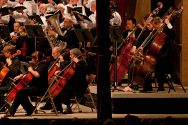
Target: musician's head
{"points": [[8, 50], [42, 8], [16, 26], [2, 2], [73, 2], [61, 7], [75, 54], [156, 22], [130, 23], [21, 1], [36, 56], [56, 51]]}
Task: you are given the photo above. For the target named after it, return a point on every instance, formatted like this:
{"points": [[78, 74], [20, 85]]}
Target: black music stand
{"points": [[40, 40], [116, 38], [4, 32], [84, 36]]}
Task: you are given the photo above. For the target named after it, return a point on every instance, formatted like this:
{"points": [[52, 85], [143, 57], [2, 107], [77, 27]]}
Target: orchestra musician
{"points": [[63, 61], [15, 34], [76, 86], [115, 19], [69, 35], [12, 64], [25, 44], [37, 86], [165, 56]]}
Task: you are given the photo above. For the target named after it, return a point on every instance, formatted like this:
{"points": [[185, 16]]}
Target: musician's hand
{"points": [[51, 33], [57, 72], [61, 58], [30, 69], [9, 61], [88, 45], [18, 77], [133, 50], [14, 38]]}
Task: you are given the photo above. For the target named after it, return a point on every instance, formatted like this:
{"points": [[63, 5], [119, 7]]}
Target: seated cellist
{"points": [[37, 86], [60, 60], [10, 69], [77, 84]]}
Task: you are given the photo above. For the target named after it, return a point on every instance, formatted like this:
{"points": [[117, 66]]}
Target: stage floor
{"points": [[88, 114]]}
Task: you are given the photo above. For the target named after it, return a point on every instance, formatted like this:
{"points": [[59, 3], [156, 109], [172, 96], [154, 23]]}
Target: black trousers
{"points": [[22, 99]]}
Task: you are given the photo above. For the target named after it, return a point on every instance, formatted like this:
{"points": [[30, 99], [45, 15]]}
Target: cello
{"points": [[55, 67], [26, 78], [4, 71], [64, 77]]}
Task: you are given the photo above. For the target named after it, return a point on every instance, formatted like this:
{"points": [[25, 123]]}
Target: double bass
{"points": [[146, 66], [4, 71], [120, 66]]}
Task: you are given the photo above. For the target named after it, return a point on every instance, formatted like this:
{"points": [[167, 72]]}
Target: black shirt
{"points": [[41, 82]]}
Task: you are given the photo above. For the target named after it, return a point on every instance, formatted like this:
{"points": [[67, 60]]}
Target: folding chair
{"points": [[87, 96]]}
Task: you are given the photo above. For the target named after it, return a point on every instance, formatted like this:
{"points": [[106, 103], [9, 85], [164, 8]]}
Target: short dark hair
{"points": [[37, 55], [133, 20]]}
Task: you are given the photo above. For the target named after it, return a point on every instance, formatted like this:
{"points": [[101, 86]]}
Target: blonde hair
{"points": [[9, 48], [76, 52]]}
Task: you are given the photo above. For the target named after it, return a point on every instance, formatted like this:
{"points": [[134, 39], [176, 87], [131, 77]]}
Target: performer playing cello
{"points": [[77, 85], [37, 86], [10, 69]]}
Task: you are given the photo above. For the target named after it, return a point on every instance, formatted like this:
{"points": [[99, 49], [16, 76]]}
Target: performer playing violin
{"points": [[37, 86]]}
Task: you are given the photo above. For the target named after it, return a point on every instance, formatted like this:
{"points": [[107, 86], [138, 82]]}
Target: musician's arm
{"points": [[33, 72]]}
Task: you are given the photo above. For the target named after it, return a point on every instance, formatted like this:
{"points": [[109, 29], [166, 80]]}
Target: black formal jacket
{"points": [[70, 38]]}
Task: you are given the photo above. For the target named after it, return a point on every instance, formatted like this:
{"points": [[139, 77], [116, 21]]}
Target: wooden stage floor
{"points": [[118, 97]]}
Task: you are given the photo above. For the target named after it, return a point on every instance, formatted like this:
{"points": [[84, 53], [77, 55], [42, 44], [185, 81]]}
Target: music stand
{"points": [[116, 38], [84, 36], [4, 32], [36, 32]]}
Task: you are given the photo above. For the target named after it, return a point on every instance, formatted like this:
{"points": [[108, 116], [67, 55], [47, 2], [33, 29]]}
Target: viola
{"points": [[4, 71]]}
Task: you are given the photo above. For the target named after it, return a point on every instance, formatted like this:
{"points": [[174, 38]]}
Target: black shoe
{"points": [[46, 107], [67, 111], [146, 90], [29, 113]]}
